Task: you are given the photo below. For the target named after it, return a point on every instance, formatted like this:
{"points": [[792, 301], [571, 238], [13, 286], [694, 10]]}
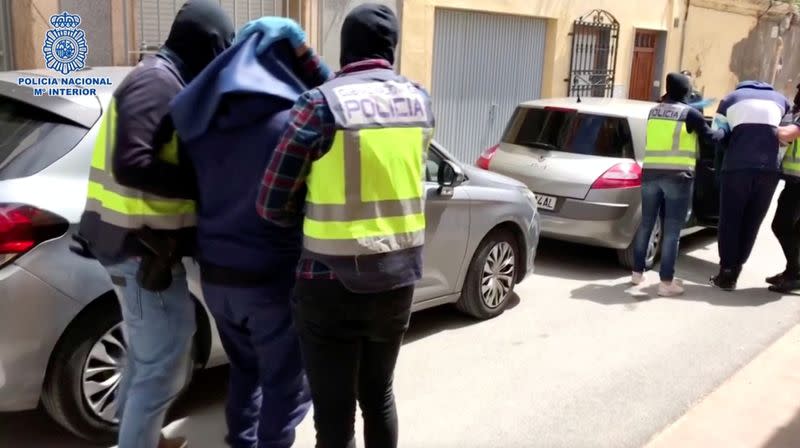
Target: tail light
{"points": [[622, 175], [23, 227], [486, 157]]}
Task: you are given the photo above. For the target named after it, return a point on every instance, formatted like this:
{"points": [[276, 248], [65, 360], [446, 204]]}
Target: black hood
{"points": [[201, 31], [370, 31], [678, 87]]}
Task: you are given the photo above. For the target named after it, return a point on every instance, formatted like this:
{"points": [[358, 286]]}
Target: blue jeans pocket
{"points": [[131, 298]]}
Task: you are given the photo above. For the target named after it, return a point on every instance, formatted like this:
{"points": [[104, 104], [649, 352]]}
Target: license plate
{"points": [[546, 202]]}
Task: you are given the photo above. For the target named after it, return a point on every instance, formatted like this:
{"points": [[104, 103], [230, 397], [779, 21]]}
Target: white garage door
{"points": [[484, 65], [155, 16]]}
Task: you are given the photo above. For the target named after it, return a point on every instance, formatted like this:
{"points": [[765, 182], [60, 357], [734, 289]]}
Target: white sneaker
{"points": [[671, 289], [637, 278]]}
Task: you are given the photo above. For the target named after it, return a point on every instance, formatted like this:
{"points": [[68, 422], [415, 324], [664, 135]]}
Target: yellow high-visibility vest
{"points": [[366, 194], [669, 144], [125, 207], [791, 161]]}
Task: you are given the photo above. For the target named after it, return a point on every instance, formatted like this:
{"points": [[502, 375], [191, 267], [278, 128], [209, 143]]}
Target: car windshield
{"points": [[570, 131], [32, 138]]}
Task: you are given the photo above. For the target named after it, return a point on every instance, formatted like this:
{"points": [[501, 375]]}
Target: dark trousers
{"points": [[350, 344], [268, 395], [786, 227], [744, 202]]}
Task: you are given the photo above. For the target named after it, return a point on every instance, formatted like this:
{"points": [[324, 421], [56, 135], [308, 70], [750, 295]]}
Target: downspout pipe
{"points": [[683, 34]]}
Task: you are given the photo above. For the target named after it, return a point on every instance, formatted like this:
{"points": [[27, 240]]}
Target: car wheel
{"points": [[82, 384], [491, 276], [627, 257], [81, 389]]}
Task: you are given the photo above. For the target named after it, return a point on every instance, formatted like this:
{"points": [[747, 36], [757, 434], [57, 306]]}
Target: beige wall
{"points": [[708, 50], [418, 32], [29, 24]]}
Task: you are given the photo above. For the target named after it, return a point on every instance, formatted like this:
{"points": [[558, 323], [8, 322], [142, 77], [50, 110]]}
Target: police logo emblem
{"points": [[65, 46]]}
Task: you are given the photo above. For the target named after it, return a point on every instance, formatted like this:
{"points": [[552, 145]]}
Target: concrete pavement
{"points": [[576, 363], [757, 407]]}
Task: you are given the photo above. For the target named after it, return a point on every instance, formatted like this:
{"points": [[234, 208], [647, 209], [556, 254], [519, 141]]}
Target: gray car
{"points": [[583, 159], [60, 337]]}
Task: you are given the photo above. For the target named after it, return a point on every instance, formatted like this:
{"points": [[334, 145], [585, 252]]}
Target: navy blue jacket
{"points": [[751, 115], [230, 120]]}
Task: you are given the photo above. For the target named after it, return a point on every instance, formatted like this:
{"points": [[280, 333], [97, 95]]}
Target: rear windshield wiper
{"points": [[540, 145]]}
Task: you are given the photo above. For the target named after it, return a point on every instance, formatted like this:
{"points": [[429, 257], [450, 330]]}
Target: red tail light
{"points": [[622, 175], [486, 157], [22, 227]]}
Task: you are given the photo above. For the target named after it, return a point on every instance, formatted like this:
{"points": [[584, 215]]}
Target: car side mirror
{"points": [[450, 176]]}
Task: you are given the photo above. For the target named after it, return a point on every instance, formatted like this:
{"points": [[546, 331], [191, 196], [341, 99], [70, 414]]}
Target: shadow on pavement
{"points": [[444, 318], [619, 294], [695, 271], [204, 395], [787, 436], [35, 429], [572, 261]]}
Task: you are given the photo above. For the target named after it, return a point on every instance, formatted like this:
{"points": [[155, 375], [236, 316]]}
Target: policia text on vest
{"points": [[669, 144], [366, 194]]}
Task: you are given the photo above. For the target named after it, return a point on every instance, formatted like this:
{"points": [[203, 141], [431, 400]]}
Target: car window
{"points": [[432, 165], [32, 138], [570, 131]]}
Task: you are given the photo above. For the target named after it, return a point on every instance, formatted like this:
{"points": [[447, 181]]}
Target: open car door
{"points": [[706, 186]]}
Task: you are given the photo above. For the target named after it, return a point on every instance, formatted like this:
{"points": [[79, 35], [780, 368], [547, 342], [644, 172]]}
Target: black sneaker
{"points": [[786, 286], [776, 279], [725, 280]]}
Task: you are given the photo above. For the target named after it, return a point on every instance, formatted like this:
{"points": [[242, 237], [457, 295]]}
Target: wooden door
{"points": [[644, 61]]}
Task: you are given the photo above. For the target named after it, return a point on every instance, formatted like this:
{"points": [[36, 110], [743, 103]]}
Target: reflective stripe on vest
{"points": [[126, 207], [791, 161], [669, 144], [366, 194]]}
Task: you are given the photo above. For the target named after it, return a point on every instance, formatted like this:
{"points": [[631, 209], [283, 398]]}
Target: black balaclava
{"points": [[201, 31], [370, 31], [796, 105], [678, 87]]}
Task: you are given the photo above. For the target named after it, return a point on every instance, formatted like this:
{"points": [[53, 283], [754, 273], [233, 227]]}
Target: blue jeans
{"points": [[256, 329], [674, 193], [158, 329]]}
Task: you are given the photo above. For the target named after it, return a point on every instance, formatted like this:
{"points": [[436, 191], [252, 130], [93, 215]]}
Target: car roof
{"points": [[599, 106], [115, 74]]}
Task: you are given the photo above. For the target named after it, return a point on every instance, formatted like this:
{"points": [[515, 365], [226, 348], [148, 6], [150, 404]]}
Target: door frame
{"points": [[705, 200], [658, 61], [6, 43]]}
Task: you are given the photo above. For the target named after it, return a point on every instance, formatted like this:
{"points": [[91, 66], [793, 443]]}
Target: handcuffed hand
{"points": [[273, 29], [787, 134]]}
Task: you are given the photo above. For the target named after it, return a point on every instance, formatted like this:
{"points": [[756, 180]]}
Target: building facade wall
{"points": [[418, 15]]}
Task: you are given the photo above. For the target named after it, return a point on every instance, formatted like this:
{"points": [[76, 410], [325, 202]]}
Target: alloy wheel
{"points": [[654, 243], [498, 275], [102, 373]]}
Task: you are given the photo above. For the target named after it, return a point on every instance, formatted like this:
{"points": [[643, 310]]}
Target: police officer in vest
{"points": [[140, 217], [673, 130], [786, 224], [353, 158]]}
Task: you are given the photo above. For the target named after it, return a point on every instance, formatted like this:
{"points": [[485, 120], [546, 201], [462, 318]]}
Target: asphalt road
{"points": [[576, 362]]}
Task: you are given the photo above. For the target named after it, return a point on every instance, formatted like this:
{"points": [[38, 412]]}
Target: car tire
{"points": [[62, 394], [491, 276], [627, 257]]}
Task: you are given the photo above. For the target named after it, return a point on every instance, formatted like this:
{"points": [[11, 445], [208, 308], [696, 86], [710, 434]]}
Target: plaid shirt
{"points": [[308, 138]]}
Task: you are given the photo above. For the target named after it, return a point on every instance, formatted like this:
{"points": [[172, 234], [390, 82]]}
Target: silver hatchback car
{"points": [[583, 159], [61, 342]]}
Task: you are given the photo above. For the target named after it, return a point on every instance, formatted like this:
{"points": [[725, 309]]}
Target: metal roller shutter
{"points": [[484, 65], [155, 16]]}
